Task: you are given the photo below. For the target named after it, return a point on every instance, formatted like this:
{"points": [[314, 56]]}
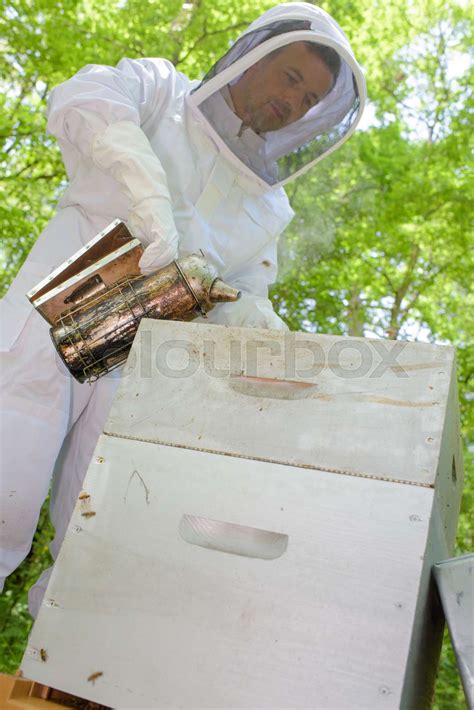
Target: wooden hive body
{"points": [[268, 507]]}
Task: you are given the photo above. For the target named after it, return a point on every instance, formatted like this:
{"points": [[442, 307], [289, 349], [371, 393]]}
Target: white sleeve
{"points": [[98, 96], [101, 111]]}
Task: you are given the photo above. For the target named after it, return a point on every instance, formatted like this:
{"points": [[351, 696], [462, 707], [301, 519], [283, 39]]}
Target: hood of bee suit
{"points": [[275, 155]]}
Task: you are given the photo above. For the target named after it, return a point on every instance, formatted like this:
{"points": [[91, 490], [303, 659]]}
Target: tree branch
{"points": [[206, 35], [400, 293]]}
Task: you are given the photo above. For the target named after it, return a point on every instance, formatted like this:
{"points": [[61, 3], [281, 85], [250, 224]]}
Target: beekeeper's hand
{"points": [[152, 223], [249, 312], [266, 318], [260, 314], [123, 151]]}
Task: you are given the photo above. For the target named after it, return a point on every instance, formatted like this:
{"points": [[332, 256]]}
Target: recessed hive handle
{"points": [[271, 387], [231, 538]]}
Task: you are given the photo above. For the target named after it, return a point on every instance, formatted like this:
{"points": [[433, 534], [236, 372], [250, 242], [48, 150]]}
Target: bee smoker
{"points": [[95, 313]]}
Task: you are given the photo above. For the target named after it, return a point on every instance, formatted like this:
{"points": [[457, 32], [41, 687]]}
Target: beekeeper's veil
{"points": [[278, 155]]}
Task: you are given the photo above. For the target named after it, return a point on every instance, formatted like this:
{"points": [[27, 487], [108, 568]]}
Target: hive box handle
{"points": [[234, 539], [271, 387]]}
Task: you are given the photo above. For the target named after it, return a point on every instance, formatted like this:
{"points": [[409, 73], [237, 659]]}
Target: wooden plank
{"points": [[23, 694]]}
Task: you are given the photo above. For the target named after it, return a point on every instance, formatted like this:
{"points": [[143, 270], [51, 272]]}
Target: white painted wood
{"points": [[196, 386], [254, 534], [169, 624], [455, 580]]}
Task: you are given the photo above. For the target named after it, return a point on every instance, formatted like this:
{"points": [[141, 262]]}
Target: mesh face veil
{"points": [[287, 93]]}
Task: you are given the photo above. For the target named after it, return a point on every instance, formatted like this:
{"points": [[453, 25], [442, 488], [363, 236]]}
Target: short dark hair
{"points": [[328, 55]]}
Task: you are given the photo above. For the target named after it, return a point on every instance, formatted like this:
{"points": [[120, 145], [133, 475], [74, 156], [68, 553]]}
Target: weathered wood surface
{"points": [[215, 579], [328, 402], [170, 624]]}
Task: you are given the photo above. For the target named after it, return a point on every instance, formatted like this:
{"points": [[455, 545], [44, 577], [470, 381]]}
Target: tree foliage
{"points": [[382, 242]]}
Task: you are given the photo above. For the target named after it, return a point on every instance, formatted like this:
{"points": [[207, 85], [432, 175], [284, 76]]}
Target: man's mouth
{"points": [[278, 110]]}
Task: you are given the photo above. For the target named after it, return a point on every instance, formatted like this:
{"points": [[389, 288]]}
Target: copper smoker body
{"points": [[95, 337]]}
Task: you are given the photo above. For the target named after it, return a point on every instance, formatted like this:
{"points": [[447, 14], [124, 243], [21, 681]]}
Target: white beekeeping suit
{"points": [[188, 165]]}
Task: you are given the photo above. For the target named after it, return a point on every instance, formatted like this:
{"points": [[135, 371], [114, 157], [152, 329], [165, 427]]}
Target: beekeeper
{"points": [[188, 165]]}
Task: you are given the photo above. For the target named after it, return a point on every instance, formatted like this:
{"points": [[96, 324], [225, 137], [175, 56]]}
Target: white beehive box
{"points": [[267, 509]]}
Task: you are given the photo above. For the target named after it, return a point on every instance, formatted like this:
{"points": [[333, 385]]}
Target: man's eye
{"points": [[310, 101], [292, 80]]}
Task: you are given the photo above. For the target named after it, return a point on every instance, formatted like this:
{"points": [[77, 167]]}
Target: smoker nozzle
{"points": [[222, 293]]}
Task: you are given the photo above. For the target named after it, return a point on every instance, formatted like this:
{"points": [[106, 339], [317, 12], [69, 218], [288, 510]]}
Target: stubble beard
{"points": [[260, 118]]}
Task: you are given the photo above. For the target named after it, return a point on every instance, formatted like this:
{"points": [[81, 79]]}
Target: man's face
{"points": [[280, 88]]}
